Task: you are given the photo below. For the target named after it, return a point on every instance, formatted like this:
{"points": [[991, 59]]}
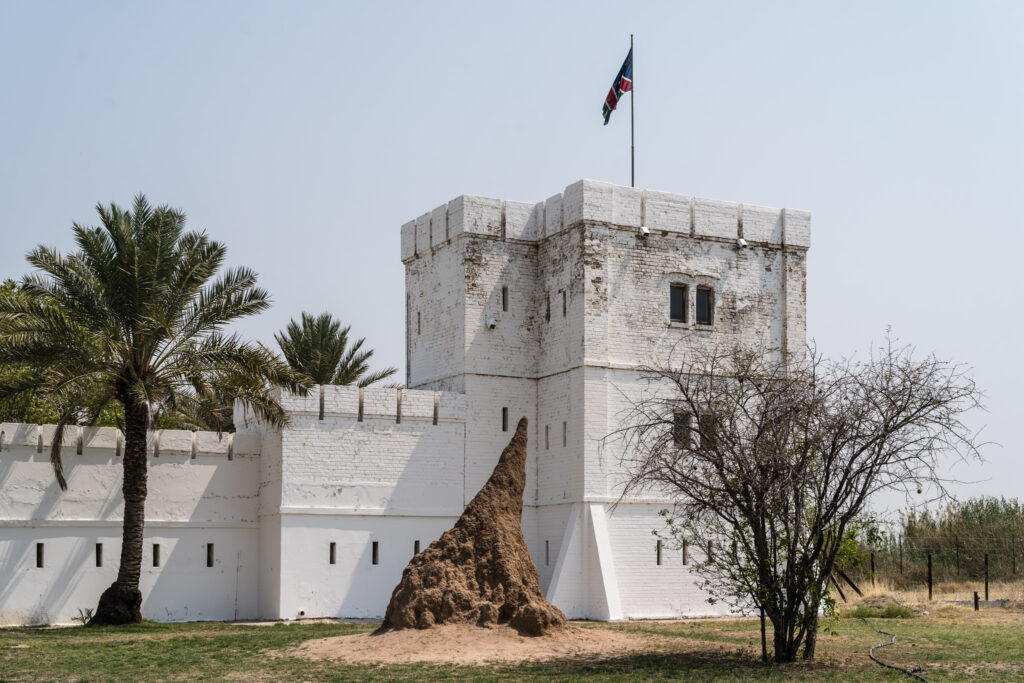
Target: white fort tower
{"points": [[540, 310]]}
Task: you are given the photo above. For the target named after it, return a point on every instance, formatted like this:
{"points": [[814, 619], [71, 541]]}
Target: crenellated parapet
{"points": [[591, 201], [107, 441]]}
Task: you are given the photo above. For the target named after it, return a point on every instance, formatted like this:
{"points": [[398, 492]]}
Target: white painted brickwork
{"points": [[391, 467]]}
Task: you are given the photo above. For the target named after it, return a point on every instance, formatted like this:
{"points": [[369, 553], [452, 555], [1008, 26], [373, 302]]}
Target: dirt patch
{"points": [[479, 572], [466, 644]]}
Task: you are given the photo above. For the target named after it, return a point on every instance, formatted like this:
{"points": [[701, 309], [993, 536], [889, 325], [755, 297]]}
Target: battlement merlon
{"points": [[599, 202], [391, 404]]}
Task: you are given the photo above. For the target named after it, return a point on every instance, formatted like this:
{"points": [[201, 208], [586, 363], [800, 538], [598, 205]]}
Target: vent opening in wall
{"points": [[375, 553], [209, 554], [333, 553], [99, 554], [415, 547], [504, 419], [504, 299], [658, 552], [677, 303], [547, 553], [39, 555], [156, 554]]}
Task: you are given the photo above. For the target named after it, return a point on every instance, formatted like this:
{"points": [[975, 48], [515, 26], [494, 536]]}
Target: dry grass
{"points": [[950, 591]]}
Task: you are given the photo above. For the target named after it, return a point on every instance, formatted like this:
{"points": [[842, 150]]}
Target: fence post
{"points": [[975, 601], [986, 577], [872, 568], [929, 577], [957, 539]]}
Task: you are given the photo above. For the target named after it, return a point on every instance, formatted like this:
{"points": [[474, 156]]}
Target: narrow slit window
{"points": [[686, 558], [504, 299], [705, 306], [209, 554], [415, 547], [565, 303], [99, 554], [504, 419], [156, 554], [39, 555], [332, 557], [376, 552], [547, 437], [418, 322], [677, 303], [565, 434], [657, 550], [681, 423], [547, 308], [547, 553], [711, 553]]}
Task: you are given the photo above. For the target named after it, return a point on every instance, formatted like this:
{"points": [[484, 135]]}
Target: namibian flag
{"points": [[622, 84]]}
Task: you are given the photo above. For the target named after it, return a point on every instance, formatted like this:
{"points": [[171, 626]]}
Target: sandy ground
{"points": [[464, 644]]}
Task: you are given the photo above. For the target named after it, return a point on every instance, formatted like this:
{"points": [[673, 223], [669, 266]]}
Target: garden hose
{"points": [[871, 653]]}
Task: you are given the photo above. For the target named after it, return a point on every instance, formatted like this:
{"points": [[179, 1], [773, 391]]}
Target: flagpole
{"points": [[632, 133]]}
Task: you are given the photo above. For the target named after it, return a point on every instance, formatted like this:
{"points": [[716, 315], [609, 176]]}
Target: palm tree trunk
{"points": [[121, 603]]}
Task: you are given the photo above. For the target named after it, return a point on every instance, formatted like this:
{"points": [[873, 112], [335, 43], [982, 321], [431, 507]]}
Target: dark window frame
{"points": [[678, 306], [682, 424], [707, 316]]}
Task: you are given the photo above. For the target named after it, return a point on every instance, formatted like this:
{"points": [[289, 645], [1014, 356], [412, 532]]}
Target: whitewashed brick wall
{"points": [[362, 467]]}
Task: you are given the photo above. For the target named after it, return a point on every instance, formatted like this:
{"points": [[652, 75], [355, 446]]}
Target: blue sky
{"points": [[304, 134]]}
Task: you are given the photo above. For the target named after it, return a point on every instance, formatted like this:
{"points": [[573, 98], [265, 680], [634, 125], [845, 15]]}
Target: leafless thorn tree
{"points": [[772, 461]]}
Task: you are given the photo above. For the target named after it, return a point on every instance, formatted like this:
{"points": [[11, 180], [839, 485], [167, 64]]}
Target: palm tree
{"points": [[136, 317], [318, 347]]}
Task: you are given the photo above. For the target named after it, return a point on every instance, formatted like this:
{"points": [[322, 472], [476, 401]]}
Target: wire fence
{"points": [[930, 561]]}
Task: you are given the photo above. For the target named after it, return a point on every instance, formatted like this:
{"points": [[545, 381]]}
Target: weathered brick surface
{"points": [[374, 468]]}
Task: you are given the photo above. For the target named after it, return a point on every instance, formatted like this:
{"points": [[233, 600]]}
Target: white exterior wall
{"points": [[357, 467], [193, 501]]}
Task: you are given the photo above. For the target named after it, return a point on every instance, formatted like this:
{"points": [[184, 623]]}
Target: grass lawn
{"points": [[951, 644]]}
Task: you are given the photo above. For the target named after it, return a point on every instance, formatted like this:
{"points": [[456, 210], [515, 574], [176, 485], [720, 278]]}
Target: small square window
{"points": [[677, 303], [705, 306]]}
